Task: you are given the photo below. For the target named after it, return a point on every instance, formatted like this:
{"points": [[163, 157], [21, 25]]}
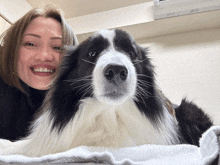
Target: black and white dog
{"points": [[105, 95]]}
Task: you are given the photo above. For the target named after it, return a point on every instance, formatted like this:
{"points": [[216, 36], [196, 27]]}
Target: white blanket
{"points": [[206, 154]]}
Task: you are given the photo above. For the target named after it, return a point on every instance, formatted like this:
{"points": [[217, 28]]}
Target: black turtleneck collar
{"points": [[35, 96]]}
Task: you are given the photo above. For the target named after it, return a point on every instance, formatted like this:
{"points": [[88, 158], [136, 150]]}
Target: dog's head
{"points": [[108, 66]]}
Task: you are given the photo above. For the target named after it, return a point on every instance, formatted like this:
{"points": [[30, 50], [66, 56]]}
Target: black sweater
{"points": [[17, 110]]}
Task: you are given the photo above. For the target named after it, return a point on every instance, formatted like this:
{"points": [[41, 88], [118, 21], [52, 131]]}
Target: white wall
{"points": [[14, 9], [3, 25], [188, 65], [120, 17]]}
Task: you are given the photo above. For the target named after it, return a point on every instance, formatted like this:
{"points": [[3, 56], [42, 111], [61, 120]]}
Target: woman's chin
{"points": [[40, 86]]}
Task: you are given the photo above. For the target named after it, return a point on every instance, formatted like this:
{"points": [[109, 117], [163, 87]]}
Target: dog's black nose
{"points": [[115, 73]]}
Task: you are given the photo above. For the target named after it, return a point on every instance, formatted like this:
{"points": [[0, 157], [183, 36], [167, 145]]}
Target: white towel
{"points": [[206, 154]]}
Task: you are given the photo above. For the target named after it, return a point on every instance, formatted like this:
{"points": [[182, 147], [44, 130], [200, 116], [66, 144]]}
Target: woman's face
{"points": [[40, 52]]}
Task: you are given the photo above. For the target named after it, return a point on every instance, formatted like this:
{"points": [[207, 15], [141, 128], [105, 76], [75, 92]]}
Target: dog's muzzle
{"points": [[114, 78], [115, 74]]}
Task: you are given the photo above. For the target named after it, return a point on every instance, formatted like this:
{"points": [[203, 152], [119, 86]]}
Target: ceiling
{"points": [[75, 8]]}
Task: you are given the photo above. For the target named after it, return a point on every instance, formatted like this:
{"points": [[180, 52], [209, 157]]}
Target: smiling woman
{"points": [[40, 52], [31, 53]]}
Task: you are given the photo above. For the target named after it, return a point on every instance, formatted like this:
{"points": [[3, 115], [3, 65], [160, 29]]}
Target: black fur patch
{"points": [[193, 122], [147, 98], [73, 83]]}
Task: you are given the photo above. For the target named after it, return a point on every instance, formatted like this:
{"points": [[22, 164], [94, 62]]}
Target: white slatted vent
{"points": [[173, 8]]}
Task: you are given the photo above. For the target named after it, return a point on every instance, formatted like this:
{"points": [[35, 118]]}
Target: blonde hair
{"points": [[11, 40]]}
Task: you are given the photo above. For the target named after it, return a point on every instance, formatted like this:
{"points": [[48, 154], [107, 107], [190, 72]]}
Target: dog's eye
{"points": [[93, 53], [132, 54]]}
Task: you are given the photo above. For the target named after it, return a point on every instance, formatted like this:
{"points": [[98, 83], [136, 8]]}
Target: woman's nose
{"points": [[44, 54]]}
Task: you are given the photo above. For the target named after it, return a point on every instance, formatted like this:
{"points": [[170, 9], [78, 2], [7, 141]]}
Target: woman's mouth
{"points": [[43, 70]]}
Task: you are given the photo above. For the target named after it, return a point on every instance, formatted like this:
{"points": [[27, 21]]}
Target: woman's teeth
{"points": [[44, 70]]}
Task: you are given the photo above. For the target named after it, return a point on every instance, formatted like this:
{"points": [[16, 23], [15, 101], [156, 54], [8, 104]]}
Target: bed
{"points": [[206, 154]]}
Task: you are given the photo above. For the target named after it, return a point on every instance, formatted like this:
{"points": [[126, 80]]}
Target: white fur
{"points": [[108, 34], [95, 124]]}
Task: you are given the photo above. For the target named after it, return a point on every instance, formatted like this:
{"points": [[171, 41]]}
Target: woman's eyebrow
{"points": [[54, 38], [38, 36], [34, 35]]}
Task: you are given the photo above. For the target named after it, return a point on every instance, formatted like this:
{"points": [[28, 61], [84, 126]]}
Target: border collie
{"points": [[105, 95]]}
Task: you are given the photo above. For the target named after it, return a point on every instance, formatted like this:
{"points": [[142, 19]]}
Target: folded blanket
{"points": [[206, 154]]}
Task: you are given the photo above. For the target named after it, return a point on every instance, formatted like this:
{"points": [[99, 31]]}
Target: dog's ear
{"points": [[69, 61], [62, 97], [147, 65], [147, 98], [70, 57]]}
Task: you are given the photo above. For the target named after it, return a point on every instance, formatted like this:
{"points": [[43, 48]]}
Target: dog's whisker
{"points": [[144, 86], [139, 61], [84, 85], [144, 92], [142, 75], [86, 91], [79, 79], [72, 83], [89, 88], [143, 82], [140, 96], [88, 61], [81, 86], [78, 91], [76, 81], [141, 93]]}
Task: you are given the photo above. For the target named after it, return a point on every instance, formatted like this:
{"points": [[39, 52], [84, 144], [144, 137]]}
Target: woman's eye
{"points": [[93, 53], [57, 48], [29, 44]]}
